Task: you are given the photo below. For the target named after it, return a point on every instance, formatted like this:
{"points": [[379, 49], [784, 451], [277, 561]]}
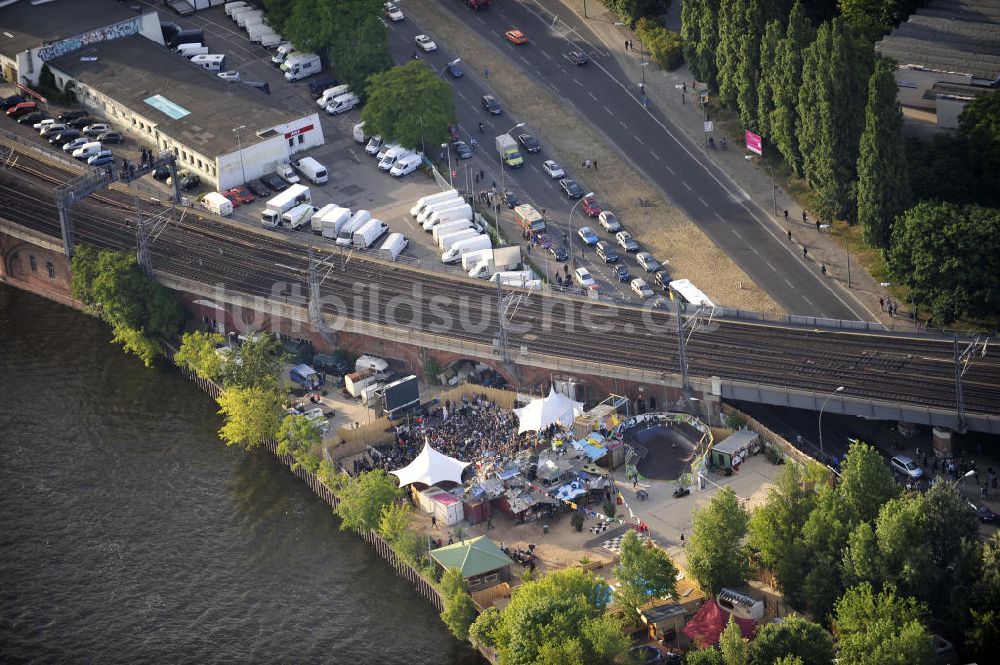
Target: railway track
{"points": [[910, 369]]}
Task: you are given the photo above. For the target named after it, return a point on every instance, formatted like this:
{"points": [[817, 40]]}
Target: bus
{"points": [[689, 293]]}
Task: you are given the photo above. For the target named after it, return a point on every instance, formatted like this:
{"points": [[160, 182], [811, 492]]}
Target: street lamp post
{"points": [[569, 224], [774, 191], [447, 149], [822, 454], [239, 147]]}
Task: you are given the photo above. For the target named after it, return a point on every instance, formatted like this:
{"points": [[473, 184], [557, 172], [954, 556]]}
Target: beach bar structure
{"points": [[482, 562]]}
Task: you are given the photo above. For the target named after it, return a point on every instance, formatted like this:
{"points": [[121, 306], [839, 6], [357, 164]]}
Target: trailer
{"points": [[270, 40], [471, 259], [330, 220], [244, 18]]}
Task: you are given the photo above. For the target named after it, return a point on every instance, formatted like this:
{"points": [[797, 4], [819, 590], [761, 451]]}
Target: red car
{"points": [[453, 132], [241, 193], [232, 197], [516, 37], [590, 206]]}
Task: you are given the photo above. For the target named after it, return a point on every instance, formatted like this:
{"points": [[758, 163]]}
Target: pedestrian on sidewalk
{"points": [[595, 164], [881, 303], [786, 216], [486, 72], [817, 225], [805, 217], [789, 234], [805, 251], [626, 44], [822, 269], [482, 174]]}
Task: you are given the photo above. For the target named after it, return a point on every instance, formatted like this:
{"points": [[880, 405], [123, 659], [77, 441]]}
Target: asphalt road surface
{"points": [[646, 136]]}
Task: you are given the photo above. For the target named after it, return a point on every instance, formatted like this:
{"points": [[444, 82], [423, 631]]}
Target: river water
{"points": [[130, 534]]}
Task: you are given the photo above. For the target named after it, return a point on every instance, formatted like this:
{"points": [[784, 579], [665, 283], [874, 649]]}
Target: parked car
{"points": [[529, 143], [626, 242], [101, 158], [64, 137], [392, 12], [516, 37], [647, 261], [10, 102], [42, 124], [80, 123], [51, 130], [492, 105], [641, 288], [553, 169], [231, 75], [161, 173], [274, 182], [425, 43], [609, 221], [111, 137], [590, 206], [241, 193], [622, 273], [570, 188], [662, 278], [579, 58], [317, 87], [583, 278], [557, 252], [189, 182], [607, 252], [31, 118], [982, 511], [905, 466], [96, 129], [75, 143], [258, 188], [587, 235], [455, 69], [462, 149], [71, 115]]}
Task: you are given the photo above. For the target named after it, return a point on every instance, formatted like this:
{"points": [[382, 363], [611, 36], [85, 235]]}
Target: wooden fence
{"points": [[768, 435]]}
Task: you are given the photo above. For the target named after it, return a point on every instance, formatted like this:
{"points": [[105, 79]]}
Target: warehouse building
{"points": [[225, 132]]}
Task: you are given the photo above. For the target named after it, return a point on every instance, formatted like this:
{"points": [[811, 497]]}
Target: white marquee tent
{"points": [[430, 467], [542, 412]]}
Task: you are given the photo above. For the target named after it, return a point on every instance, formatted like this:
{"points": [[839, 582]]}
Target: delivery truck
{"points": [[431, 198], [529, 219], [246, 17], [297, 216], [345, 237], [509, 154], [450, 227], [446, 241], [355, 382], [454, 253], [282, 203], [369, 233], [393, 246], [452, 214], [333, 215], [315, 223], [431, 208], [217, 203], [270, 39], [472, 259]]}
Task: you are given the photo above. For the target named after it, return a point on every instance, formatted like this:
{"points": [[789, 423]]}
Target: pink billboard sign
{"points": [[754, 143]]}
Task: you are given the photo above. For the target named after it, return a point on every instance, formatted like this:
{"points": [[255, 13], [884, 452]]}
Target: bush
{"points": [[610, 508], [577, 521], [664, 46]]}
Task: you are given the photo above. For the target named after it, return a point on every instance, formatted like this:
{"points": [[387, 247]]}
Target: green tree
{"points": [[700, 32], [883, 177], [709, 656], [865, 482], [881, 629], [770, 73], [566, 607], [395, 521], [630, 11], [950, 257], [482, 629], [793, 637], [733, 27], [297, 436], [775, 529], [362, 500], [252, 414], [748, 74], [784, 121], [982, 632], [734, 647], [644, 573], [459, 610], [392, 98], [979, 124], [715, 553], [197, 354], [257, 362], [824, 536], [137, 343]]}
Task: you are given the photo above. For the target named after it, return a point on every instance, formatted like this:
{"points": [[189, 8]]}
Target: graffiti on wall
{"points": [[132, 26]]}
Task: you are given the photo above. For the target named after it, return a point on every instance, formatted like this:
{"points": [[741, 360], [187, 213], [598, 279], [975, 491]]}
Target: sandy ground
{"points": [[644, 209]]}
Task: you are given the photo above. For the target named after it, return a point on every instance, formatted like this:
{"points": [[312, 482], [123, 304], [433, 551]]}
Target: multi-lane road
{"points": [[610, 100]]}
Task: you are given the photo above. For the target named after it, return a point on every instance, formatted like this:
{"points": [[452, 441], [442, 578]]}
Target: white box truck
{"points": [[520, 278], [282, 203], [430, 208], [453, 214], [233, 6], [423, 201], [316, 221], [245, 17], [217, 203], [454, 253], [446, 241], [333, 222], [345, 237], [312, 170], [297, 216], [257, 30], [471, 259], [359, 132], [355, 382], [270, 40], [450, 227], [393, 246], [368, 234]]}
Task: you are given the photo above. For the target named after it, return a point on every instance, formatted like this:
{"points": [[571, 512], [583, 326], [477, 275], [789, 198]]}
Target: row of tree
{"points": [[866, 559]]}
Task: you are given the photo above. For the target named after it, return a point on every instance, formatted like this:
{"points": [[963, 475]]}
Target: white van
{"points": [[374, 145], [345, 237], [342, 103], [87, 150], [641, 288], [359, 132], [431, 198], [211, 62], [217, 203], [406, 165], [434, 206], [312, 169], [328, 94], [281, 53], [393, 246], [372, 230], [386, 147], [191, 50], [392, 156], [373, 364]]}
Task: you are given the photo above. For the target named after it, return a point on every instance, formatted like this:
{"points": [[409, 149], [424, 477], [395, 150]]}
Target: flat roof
{"points": [[952, 36], [24, 26], [187, 103]]}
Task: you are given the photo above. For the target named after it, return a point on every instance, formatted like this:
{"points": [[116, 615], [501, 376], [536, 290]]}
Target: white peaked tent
{"points": [[542, 412], [430, 467]]}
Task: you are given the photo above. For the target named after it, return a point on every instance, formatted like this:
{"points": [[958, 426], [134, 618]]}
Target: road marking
{"points": [[608, 110], [770, 266], [703, 201], [655, 156], [543, 52], [667, 166], [789, 284], [624, 126], [684, 182], [592, 96], [578, 83], [720, 217], [480, 19], [754, 251], [638, 139], [461, 95], [736, 233], [525, 60]]}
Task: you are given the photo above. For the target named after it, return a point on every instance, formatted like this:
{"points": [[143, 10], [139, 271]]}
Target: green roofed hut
{"points": [[482, 562]]}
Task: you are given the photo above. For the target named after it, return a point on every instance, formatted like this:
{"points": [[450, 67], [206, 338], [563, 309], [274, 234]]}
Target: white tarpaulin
{"points": [[541, 413], [430, 467]]}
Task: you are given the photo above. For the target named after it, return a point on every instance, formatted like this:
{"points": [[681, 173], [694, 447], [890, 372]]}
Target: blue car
{"points": [[101, 158], [622, 273], [455, 70], [588, 236]]}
